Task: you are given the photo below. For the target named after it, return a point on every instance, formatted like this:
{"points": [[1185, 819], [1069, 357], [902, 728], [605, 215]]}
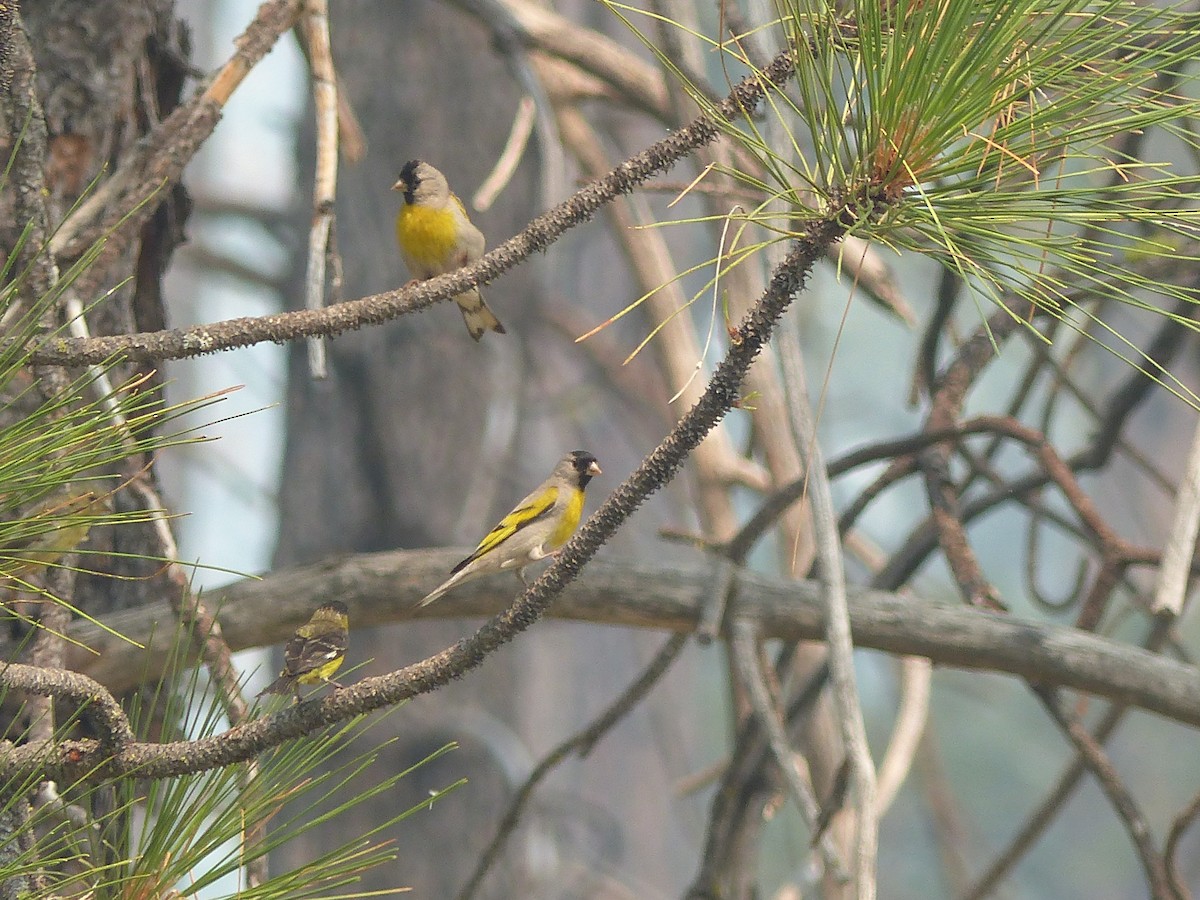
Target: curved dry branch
{"points": [[91, 698], [1131, 817]]}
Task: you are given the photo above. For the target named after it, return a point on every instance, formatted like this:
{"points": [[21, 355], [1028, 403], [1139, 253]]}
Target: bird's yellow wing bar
{"points": [[521, 517]]}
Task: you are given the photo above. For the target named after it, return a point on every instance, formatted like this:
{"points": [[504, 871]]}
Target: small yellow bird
{"points": [[436, 237], [316, 651], [41, 536], [540, 524]]}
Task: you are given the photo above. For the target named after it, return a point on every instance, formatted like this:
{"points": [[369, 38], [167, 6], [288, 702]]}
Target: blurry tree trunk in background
{"points": [[421, 437]]}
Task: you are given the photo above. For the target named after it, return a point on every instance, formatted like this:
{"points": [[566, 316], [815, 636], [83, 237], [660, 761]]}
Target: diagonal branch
{"points": [[580, 743], [338, 318], [245, 741], [1093, 756], [744, 648]]}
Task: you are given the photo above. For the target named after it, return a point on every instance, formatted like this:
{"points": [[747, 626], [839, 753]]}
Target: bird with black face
{"points": [[436, 237], [316, 651], [535, 529]]}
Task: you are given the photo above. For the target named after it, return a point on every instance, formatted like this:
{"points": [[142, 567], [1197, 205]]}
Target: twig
{"points": [[510, 156], [1180, 545], [741, 787], [950, 283], [743, 647], [581, 743], [837, 625], [949, 395], [1181, 824], [1055, 800], [353, 314], [324, 78], [1131, 817], [916, 673], [352, 143], [1039, 820]]}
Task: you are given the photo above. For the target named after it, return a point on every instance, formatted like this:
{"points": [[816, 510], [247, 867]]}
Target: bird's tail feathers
{"points": [[442, 588], [477, 314], [280, 685]]}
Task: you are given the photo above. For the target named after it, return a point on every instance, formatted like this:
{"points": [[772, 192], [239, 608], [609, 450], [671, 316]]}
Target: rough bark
{"points": [[105, 73]]}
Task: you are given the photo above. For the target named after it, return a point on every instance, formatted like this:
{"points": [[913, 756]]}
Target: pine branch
{"points": [[538, 235]]}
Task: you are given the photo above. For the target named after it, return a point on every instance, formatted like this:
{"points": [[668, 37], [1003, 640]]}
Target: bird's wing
{"points": [[534, 508], [470, 238], [305, 654]]}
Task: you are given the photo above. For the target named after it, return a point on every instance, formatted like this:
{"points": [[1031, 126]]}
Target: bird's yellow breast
{"points": [[429, 239], [570, 521]]}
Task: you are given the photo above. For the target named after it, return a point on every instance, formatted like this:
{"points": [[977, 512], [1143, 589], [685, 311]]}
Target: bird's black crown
{"points": [[408, 175], [586, 465]]}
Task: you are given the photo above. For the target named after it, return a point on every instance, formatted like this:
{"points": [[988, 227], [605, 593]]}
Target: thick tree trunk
{"points": [[106, 71]]}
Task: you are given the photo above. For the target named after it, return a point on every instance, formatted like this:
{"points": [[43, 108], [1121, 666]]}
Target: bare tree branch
{"points": [[916, 674], [353, 314], [1127, 811], [382, 588], [744, 647], [315, 28], [1054, 802], [843, 684], [1170, 852], [582, 743]]}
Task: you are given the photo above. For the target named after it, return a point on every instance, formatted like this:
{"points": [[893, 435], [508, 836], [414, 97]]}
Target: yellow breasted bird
{"points": [[436, 237], [540, 524], [315, 652]]}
